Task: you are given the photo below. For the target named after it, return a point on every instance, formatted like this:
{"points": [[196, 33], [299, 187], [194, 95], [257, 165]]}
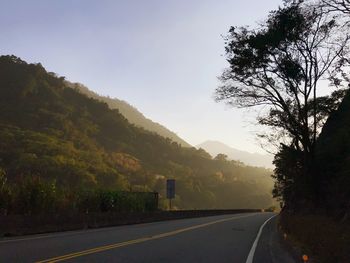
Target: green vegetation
{"points": [[57, 144], [33, 195]]}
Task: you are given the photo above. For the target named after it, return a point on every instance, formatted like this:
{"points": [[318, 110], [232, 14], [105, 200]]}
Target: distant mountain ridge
{"points": [[255, 159], [132, 114]]}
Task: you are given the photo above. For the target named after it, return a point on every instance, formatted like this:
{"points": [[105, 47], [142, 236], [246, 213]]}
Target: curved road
{"points": [[225, 238]]}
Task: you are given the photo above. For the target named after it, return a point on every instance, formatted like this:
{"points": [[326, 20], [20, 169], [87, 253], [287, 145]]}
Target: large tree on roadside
{"points": [[279, 66]]}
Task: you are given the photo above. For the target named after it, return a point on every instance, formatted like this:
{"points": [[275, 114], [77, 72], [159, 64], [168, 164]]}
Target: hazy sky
{"points": [[162, 56]]}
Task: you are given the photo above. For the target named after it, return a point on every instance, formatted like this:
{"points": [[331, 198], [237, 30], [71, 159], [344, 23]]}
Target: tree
{"points": [[4, 192], [342, 6], [340, 9], [221, 157], [280, 65]]}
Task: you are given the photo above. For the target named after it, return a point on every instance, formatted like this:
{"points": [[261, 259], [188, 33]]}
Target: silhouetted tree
{"points": [[340, 10], [342, 6], [280, 65]]}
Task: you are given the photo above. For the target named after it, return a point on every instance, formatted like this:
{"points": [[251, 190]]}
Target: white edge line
{"points": [[253, 248]]}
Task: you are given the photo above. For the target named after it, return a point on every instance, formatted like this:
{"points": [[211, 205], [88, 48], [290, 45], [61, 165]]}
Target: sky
{"points": [[161, 56]]}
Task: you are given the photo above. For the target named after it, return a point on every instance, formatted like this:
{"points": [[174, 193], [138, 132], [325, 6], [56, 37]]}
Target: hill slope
{"points": [[332, 160], [131, 114], [73, 142], [255, 159]]}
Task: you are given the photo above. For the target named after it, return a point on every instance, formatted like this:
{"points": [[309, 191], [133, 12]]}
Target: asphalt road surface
{"points": [[225, 238]]}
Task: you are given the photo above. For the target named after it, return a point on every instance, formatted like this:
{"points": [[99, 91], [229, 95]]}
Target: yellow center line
{"points": [[135, 241]]}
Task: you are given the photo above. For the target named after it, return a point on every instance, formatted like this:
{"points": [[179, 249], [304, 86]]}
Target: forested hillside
{"points": [[131, 114], [332, 165], [54, 135]]}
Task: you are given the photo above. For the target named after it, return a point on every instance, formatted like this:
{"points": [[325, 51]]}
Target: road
{"points": [[225, 238]]}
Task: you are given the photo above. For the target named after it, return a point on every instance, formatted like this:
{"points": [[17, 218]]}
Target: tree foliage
{"points": [[280, 67], [339, 6]]}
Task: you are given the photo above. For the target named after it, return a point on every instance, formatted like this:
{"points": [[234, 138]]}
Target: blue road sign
{"points": [[170, 188]]}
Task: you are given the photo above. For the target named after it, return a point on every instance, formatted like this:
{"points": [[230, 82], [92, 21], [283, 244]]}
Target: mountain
{"points": [[255, 159], [57, 143], [131, 114]]}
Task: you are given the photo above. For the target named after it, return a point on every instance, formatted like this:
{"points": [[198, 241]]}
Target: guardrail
{"points": [[13, 225]]}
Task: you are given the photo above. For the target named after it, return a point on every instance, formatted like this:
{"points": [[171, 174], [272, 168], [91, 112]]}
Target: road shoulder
{"points": [[271, 247]]}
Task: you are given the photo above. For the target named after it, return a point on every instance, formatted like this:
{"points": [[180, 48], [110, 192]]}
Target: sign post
{"points": [[170, 190]]}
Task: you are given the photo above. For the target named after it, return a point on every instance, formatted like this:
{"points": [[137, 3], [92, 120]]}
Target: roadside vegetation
{"points": [[295, 69], [33, 195]]}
